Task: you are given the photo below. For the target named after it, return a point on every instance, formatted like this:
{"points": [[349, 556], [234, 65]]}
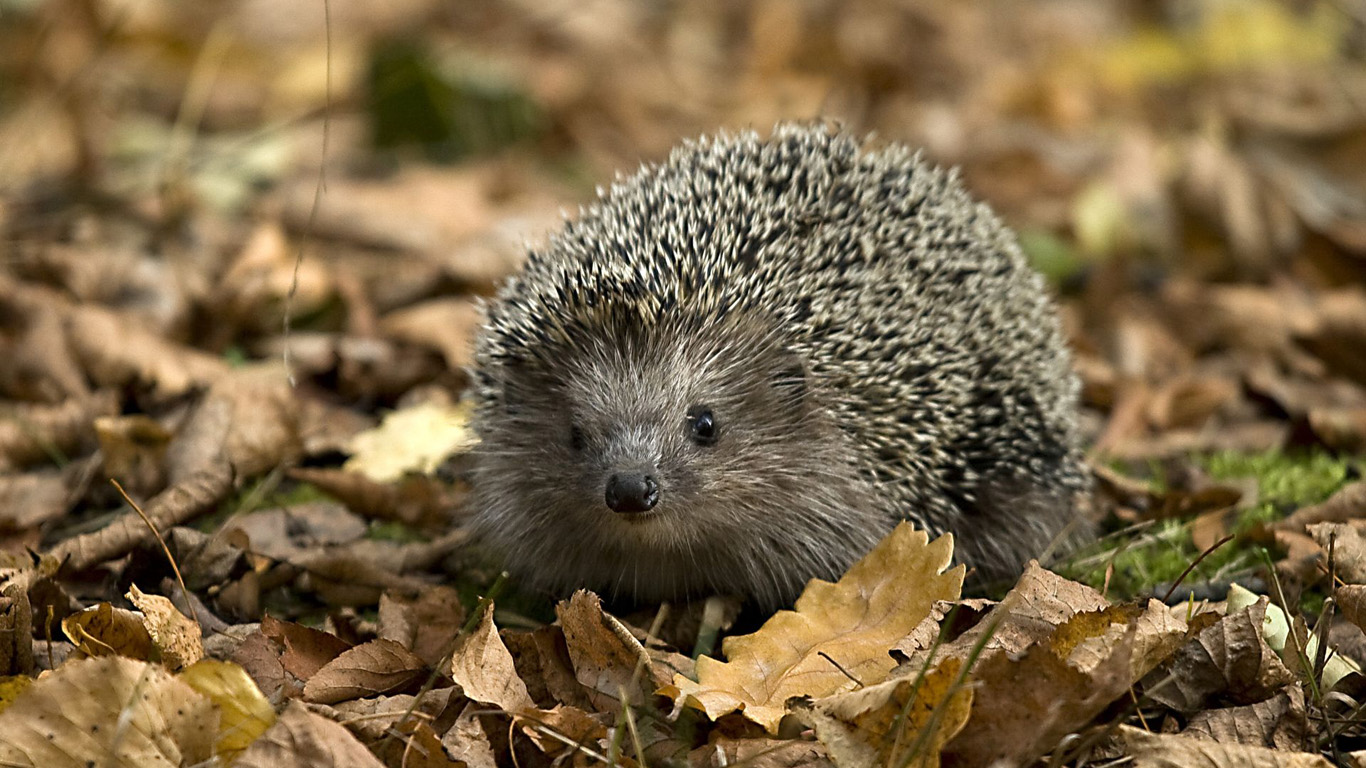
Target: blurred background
{"points": [[1189, 174]]}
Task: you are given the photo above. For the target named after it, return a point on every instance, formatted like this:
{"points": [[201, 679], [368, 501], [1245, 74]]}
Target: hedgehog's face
{"points": [[632, 463]]}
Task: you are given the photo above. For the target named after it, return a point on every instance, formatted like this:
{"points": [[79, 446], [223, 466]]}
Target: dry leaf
{"points": [[905, 721], [301, 739], [482, 666], [306, 650], [1348, 547], [1152, 750], [1278, 722], [415, 439], [176, 637], [837, 631], [104, 630], [605, 655], [244, 712], [108, 711], [1226, 661], [369, 669], [425, 624]]}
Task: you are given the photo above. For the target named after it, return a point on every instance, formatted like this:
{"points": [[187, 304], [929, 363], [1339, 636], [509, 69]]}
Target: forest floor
{"points": [[242, 247]]}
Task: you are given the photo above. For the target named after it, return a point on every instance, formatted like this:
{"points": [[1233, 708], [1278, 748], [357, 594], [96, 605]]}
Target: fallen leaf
{"points": [[905, 721], [306, 650], [414, 439], [175, 636], [1153, 750], [368, 669], [104, 630], [301, 739], [836, 632], [244, 712], [108, 711], [482, 666]]}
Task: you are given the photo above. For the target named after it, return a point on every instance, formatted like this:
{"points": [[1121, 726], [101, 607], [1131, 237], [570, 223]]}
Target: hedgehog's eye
{"points": [[702, 425], [576, 438]]}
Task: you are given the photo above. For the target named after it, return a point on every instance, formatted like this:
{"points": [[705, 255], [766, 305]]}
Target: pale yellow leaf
{"points": [[244, 711], [414, 439], [838, 633]]}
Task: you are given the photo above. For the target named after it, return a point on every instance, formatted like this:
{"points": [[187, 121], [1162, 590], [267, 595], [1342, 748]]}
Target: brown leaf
{"points": [[1347, 503], [1277, 722], [371, 718], [29, 433], [1227, 661], [301, 739], [761, 753], [482, 666], [306, 650], [31, 499], [1189, 402], [16, 629], [1151, 750], [837, 631], [117, 352], [109, 711], [425, 624], [605, 655], [369, 669], [1022, 706], [444, 325]]}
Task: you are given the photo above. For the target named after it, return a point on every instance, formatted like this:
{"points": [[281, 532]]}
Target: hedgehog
{"points": [[738, 369]]}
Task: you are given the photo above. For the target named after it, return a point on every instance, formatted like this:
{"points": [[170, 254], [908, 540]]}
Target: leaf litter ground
{"points": [[282, 576]]}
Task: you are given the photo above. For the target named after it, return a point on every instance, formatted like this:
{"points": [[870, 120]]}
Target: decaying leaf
{"points": [[108, 711], [104, 630], [836, 639], [904, 721]]}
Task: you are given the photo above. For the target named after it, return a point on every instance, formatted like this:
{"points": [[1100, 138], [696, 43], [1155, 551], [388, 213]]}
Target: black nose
{"points": [[632, 493]]}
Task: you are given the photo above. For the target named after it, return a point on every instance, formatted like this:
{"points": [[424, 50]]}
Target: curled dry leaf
{"points": [[1348, 503], [1226, 661], [417, 500], [31, 499], [482, 666], [604, 656], [103, 630], [301, 739], [369, 669], [1153, 750], [16, 628], [1023, 705], [108, 711], [836, 632], [175, 636], [117, 352], [1278, 722], [424, 624]]}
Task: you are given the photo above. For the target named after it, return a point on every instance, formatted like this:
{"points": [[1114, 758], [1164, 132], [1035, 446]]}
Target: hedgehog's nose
{"points": [[632, 492]]}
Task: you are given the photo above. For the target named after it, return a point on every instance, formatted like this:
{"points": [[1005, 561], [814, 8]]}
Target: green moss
{"points": [[1149, 558]]}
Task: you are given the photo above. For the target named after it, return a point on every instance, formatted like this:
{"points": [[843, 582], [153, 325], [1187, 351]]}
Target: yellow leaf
{"points": [[414, 439], [900, 722], [244, 712], [838, 634]]}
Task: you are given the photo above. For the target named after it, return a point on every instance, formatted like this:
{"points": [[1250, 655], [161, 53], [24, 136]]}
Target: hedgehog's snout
{"points": [[631, 493]]}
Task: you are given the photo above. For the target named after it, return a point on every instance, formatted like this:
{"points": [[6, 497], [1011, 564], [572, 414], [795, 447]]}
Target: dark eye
{"points": [[702, 425], [576, 439]]}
